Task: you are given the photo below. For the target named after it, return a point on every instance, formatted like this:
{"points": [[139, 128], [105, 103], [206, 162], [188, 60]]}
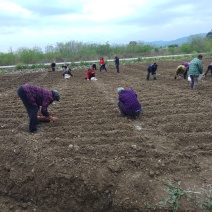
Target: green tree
{"points": [[186, 48], [209, 34], [103, 49], [7, 59], [198, 43], [156, 49], [29, 56]]}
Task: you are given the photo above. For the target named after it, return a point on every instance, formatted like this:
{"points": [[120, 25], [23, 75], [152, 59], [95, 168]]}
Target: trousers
{"points": [[194, 82], [31, 110], [124, 113]]}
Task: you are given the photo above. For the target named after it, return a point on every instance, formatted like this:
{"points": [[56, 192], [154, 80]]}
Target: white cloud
{"points": [[11, 8], [25, 23]]}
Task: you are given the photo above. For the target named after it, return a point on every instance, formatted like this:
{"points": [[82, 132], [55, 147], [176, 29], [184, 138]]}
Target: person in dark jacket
{"points": [[53, 66], [34, 99], [117, 63], [209, 69], [152, 68], [65, 67], [128, 103], [94, 66], [67, 73]]}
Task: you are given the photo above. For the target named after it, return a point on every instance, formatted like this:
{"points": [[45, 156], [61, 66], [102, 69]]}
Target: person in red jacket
{"points": [[102, 64], [89, 74]]}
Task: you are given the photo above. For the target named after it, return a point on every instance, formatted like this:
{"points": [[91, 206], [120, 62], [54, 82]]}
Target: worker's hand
{"points": [[39, 113], [53, 118]]}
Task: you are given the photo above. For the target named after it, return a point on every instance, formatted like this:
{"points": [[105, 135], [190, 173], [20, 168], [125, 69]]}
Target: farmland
{"points": [[94, 160]]}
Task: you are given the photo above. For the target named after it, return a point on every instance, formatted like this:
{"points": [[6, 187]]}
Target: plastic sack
{"points": [[67, 76], [93, 78], [200, 77]]}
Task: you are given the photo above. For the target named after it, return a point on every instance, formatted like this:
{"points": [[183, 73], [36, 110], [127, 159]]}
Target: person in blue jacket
{"points": [[152, 68]]}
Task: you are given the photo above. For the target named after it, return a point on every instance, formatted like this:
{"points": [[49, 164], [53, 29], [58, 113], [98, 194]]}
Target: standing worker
{"points": [[34, 99], [195, 69], [117, 63], [102, 64]]}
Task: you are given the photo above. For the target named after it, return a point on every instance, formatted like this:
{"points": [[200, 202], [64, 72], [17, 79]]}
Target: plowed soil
{"points": [[94, 160]]}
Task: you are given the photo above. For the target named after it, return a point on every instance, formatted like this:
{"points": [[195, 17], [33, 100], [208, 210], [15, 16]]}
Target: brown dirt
{"points": [[94, 160]]}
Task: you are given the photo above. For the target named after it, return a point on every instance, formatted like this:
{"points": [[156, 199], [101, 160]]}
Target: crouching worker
{"points": [[181, 70], [128, 103], [35, 98], [67, 73], [90, 74], [152, 68], [64, 66], [94, 66]]}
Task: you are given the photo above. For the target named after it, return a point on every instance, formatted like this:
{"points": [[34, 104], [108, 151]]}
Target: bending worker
{"points": [[209, 69], [181, 70], [90, 73], [34, 97], [128, 103], [152, 68]]}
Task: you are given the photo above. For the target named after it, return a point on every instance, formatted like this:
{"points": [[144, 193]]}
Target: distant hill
{"points": [[178, 41]]}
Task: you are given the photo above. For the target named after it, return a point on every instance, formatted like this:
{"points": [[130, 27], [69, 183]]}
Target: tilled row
{"points": [[92, 155]]}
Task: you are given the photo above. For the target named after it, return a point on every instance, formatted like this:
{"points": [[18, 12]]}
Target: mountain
{"points": [[178, 41]]}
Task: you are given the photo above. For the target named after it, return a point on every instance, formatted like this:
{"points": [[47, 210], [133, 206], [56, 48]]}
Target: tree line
{"points": [[73, 51]]}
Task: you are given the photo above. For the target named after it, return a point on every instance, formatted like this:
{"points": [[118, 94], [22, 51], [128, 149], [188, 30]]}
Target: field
{"points": [[94, 160]]}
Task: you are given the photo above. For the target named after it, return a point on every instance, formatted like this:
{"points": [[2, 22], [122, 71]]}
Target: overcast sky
{"points": [[27, 23]]}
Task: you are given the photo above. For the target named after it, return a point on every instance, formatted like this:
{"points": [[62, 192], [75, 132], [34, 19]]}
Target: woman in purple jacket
{"points": [[128, 103], [35, 98]]}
